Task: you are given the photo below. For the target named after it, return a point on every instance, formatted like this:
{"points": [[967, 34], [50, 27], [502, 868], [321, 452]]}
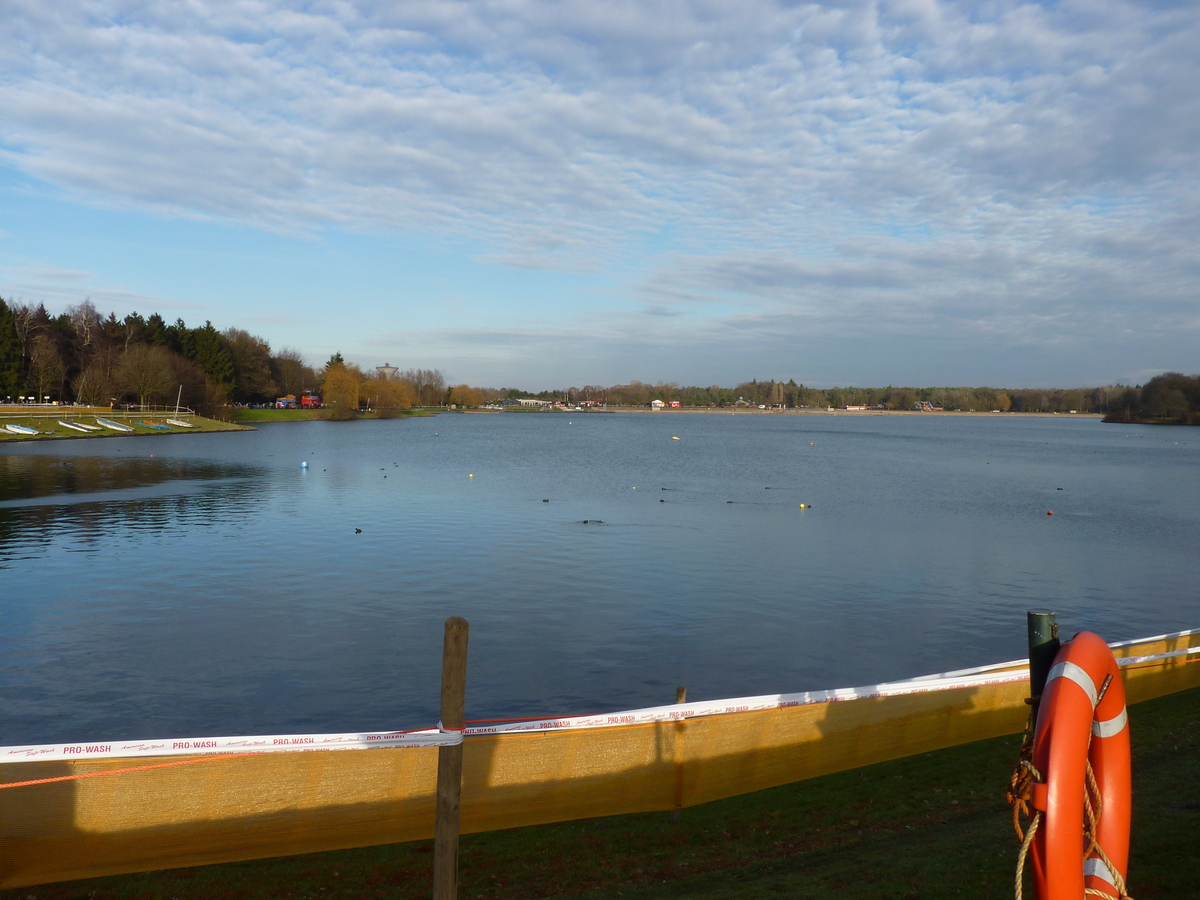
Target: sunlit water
{"points": [[217, 587]]}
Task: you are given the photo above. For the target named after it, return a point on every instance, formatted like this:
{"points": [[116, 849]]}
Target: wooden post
{"points": [[449, 780], [1043, 647], [677, 812]]}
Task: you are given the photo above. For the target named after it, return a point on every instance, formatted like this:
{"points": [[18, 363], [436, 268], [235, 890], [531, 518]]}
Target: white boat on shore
{"points": [[21, 429], [79, 426], [113, 426], [179, 424]]}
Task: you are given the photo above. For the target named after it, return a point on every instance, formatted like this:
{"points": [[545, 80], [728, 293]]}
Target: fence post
{"points": [[449, 779], [1043, 647], [677, 812]]}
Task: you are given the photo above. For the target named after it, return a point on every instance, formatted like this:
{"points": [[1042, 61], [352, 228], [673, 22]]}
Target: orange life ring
{"points": [[1081, 718]]}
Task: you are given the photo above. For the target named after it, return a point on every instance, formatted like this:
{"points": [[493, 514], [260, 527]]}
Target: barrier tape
{"points": [[997, 673], [205, 746]]}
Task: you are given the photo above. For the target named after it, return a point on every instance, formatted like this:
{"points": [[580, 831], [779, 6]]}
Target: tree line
{"points": [[1170, 397], [1166, 396], [82, 355]]}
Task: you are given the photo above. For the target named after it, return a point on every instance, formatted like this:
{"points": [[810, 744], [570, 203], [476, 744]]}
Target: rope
{"points": [[1020, 795], [1018, 886], [182, 762]]}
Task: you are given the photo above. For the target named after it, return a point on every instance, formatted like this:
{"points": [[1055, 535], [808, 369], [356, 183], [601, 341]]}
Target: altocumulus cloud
{"points": [[1012, 174]]}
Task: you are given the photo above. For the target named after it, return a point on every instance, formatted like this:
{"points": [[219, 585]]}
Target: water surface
{"points": [[208, 584]]}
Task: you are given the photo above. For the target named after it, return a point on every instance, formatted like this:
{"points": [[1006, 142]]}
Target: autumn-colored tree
{"points": [[466, 396], [340, 390], [388, 394]]}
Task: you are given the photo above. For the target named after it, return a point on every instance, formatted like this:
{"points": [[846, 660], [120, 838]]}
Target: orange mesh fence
{"points": [[163, 813]]}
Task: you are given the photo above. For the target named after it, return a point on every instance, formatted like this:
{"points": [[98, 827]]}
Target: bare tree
{"points": [[428, 385], [88, 327], [46, 369], [94, 385], [147, 372], [292, 373]]}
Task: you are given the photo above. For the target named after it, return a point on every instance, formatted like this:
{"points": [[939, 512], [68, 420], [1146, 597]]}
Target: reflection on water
{"points": [[60, 477], [75, 502], [221, 588]]}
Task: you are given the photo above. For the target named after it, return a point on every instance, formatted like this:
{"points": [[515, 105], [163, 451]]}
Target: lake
{"points": [[209, 584]]}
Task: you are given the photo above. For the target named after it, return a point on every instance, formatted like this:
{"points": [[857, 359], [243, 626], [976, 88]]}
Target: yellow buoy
{"points": [[470, 476], [804, 506], [674, 438]]}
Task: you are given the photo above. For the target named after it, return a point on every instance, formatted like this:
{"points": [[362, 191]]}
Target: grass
{"points": [[932, 826], [51, 430]]}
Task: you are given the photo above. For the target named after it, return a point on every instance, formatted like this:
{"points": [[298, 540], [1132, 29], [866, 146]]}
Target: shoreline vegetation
{"points": [[84, 357], [935, 826]]}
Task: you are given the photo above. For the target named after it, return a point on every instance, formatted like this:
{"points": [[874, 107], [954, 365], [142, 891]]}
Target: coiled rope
{"points": [[1020, 798]]}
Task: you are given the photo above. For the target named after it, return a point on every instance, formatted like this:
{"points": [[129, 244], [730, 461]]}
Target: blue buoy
{"points": [[304, 465]]}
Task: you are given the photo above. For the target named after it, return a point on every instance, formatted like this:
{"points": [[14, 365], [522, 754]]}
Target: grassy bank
{"points": [[49, 428], [247, 416], [931, 826]]}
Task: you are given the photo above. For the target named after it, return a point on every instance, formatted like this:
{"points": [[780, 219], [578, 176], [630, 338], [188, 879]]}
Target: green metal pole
{"points": [[1043, 647]]}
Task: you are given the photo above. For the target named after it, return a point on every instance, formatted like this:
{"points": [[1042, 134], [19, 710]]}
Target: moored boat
{"points": [[179, 424], [113, 426], [79, 426]]}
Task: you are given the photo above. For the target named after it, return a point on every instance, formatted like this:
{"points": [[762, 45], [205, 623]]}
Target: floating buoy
{"points": [[471, 476], [804, 506], [304, 465], [1049, 512], [635, 489], [674, 438]]}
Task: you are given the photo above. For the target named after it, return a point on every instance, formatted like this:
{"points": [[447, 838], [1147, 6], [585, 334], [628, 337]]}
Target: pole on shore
{"points": [[1043, 647], [677, 812], [449, 777]]}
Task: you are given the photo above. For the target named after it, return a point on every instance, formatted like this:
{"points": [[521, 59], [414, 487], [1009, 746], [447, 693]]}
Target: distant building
{"points": [[657, 404], [674, 404]]}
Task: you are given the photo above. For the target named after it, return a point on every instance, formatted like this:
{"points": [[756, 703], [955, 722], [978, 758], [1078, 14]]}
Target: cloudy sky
{"points": [[558, 193]]}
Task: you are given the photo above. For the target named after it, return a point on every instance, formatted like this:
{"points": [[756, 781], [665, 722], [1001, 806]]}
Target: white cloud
{"points": [[1001, 171]]}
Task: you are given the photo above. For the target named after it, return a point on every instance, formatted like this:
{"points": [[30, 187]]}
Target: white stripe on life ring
{"points": [[1074, 673], [1112, 726], [1098, 868]]}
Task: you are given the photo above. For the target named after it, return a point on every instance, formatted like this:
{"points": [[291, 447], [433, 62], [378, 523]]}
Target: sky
{"points": [[552, 194]]}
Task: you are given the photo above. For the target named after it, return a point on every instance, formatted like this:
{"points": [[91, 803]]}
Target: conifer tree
{"points": [[11, 356]]}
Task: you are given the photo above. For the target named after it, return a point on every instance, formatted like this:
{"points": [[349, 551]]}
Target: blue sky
{"points": [[544, 194]]}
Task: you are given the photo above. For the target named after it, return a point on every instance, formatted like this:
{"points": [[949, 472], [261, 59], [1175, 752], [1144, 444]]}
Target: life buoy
{"points": [[1081, 718]]}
